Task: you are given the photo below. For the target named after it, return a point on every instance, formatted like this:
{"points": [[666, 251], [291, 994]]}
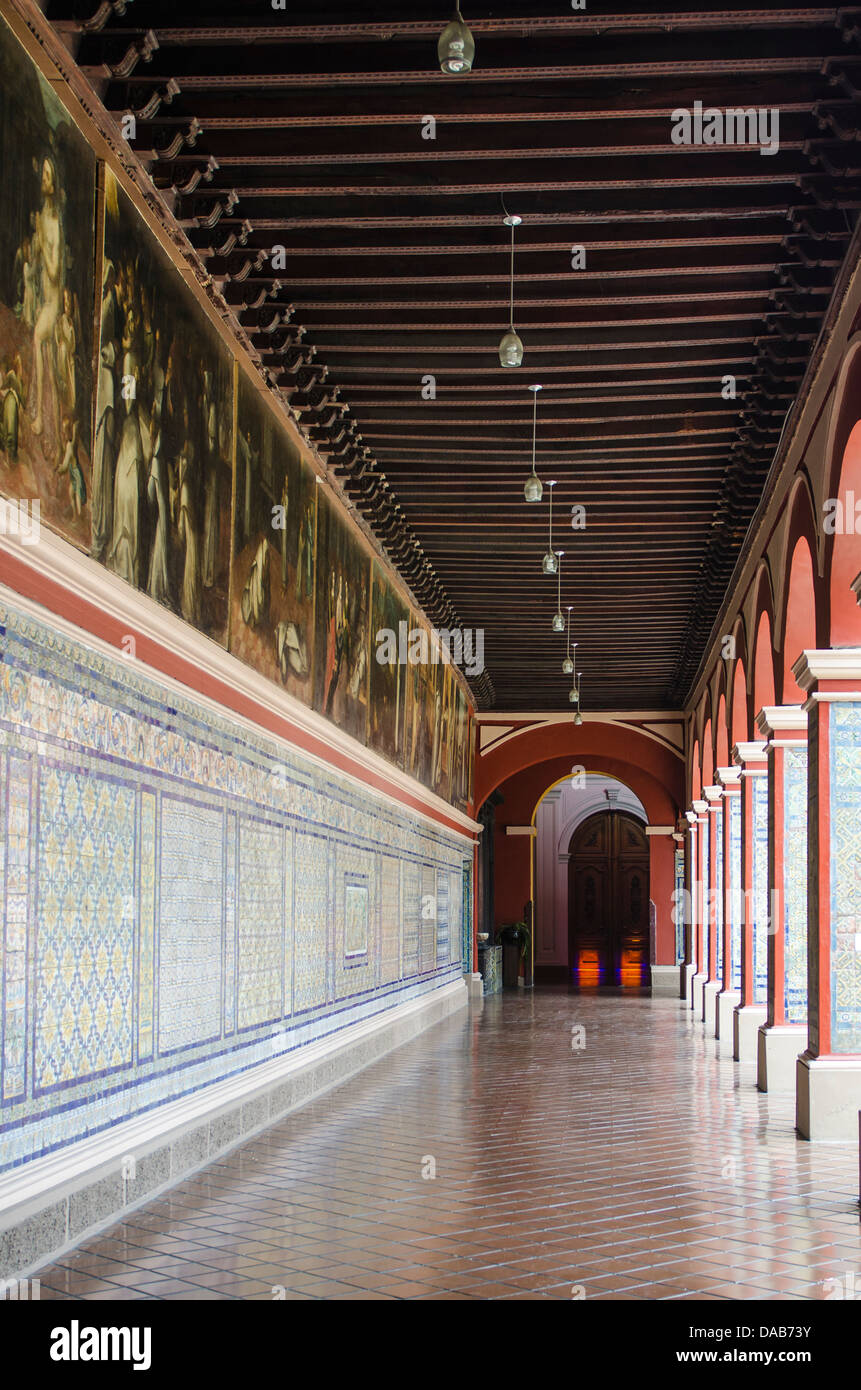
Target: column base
{"points": [[778, 1049], [710, 994], [689, 977], [666, 981], [828, 1097], [475, 986], [695, 998], [747, 1021], [727, 1002]]}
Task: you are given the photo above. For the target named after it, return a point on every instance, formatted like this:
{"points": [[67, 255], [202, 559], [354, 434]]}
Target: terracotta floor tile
{"points": [[605, 1174]]}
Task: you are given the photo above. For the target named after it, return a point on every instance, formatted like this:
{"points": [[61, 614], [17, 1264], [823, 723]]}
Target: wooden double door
{"points": [[608, 901]]}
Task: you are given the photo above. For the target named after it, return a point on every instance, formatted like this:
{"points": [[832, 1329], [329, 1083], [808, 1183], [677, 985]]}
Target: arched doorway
{"points": [[608, 901]]}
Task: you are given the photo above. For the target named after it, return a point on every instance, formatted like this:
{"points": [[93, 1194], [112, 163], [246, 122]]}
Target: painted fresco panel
{"points": [[163, 452], [342, 651], [47, 236], [272, 600], [388, 672]]}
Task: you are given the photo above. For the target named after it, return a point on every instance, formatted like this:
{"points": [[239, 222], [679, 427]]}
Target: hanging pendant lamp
{"points": [[548, 564], [568, 664], [511, 348], [558, 620], [532, 488], [456, 47], [578, 718]]}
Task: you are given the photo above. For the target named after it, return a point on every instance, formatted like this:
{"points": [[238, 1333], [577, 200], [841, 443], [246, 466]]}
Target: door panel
{"points": [[608, 928]]}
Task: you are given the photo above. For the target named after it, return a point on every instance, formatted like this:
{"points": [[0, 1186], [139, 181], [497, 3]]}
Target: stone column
{"points": [[784, 1034], [699, 979], [713, 913], [730, 992], [828, 1085], [751, 1010]]}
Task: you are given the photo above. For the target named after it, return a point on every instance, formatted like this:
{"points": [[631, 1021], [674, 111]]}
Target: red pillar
{"points": [[730, 975], [828, 1092], [691, 926], [714, 887], [751, 1009], [784, 1034], [701, 809]]}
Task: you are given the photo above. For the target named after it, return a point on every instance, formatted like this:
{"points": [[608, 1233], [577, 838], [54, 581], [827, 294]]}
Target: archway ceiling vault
{"points": [[700, 262]]}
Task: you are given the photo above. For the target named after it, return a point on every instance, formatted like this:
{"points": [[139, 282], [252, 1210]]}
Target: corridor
{"points": [[593, 1170]]}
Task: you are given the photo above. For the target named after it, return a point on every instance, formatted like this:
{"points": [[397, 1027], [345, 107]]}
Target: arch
{"points": [[844, 413], [546, 753], [844, 545], [761, 681], [721, 735], [739, 713], [799, 620], [589, 800], [708, 768]]}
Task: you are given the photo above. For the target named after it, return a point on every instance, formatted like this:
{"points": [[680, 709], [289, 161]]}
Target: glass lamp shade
{"points": [[573, 696], [567, 667], [558, 622], [456, 47], [510, 350], [533, 488], [578, 718], [549, 564]]}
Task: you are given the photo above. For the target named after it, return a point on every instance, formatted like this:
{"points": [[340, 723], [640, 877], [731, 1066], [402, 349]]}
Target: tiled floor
{"points": [[641, 1166]]}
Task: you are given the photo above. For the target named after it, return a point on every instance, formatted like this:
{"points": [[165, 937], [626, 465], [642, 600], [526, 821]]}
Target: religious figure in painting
{"points": [[49, 243], [255, 595], [124, 556], [103, 455]]}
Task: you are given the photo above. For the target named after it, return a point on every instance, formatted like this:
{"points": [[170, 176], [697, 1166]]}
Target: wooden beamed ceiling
{"points": [[307, 129]]}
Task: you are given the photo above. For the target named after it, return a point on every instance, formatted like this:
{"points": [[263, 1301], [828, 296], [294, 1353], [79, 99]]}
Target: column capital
{"points": [[701, 807], [691, 818], [751, 757], [730, 779], [781, 719], [831, 673], [713, 797]]}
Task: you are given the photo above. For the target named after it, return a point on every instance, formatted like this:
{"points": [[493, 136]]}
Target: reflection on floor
{"points": [[582, 1146]]}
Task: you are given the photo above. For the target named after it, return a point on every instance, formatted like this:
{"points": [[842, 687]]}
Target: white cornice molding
{"points": [[771, 718], [744, 753], [701, 807], [712, 796], [828, 664], [89, 581], [729, 778]]}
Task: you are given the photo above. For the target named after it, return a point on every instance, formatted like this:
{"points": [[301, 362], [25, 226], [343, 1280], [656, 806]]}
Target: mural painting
{"points": [[47, 240], [342, 623], [272, 603], [162, 459]]}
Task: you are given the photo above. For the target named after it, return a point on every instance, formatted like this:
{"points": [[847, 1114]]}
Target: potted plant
{"points": [[515, 943]]}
